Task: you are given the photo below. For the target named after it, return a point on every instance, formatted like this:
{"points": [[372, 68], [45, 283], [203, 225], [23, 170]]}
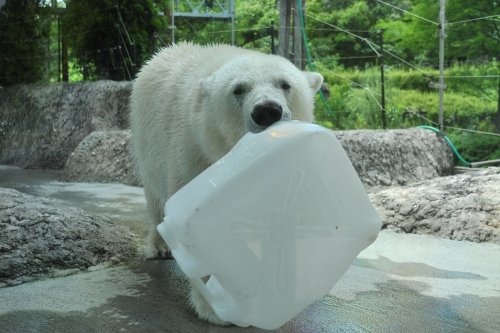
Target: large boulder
{"points": [[40, 237], [42, 124], [381, 158], [460, 207], [396, 157], [103, 156]]}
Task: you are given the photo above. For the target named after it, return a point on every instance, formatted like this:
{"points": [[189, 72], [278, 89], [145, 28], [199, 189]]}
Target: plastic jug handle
{"points": [[221, 301]]}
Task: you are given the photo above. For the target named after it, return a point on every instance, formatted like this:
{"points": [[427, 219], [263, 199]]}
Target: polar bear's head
{"points": [[251, 92]]}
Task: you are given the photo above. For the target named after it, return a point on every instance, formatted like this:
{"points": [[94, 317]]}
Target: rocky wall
{"points": [[381, 158], [41, 125]]}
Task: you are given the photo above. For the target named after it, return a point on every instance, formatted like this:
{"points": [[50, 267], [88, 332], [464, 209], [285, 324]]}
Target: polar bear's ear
{"points": [[205, 85], [315, 80]]}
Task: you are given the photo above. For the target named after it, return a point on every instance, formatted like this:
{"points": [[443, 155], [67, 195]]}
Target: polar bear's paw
{"points": [[204, 310], [155, 247]]}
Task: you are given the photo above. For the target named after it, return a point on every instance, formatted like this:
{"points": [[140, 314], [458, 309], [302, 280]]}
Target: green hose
{"points": [[448, 141]]}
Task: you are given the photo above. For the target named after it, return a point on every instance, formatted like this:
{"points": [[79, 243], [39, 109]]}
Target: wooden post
{"points": [[272, 32], [298, 44], [64, 50], [284, 29], [291, 35]]}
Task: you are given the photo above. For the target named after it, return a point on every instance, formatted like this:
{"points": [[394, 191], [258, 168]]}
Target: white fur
{"points": [[185, 116]]}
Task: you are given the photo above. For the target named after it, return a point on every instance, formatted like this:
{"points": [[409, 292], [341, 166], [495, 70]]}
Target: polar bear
{"points": [[190, 104]]}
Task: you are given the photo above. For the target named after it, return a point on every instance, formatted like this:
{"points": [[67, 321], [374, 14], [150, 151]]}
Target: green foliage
{"points": [[415, 38], [201, 31], [254, 20], [260, 17], [335, 114], [343, 37], [476, 147], [102, 45], [327, 41], [469, 103], [460, 110], [473, 39], [24, 33]]}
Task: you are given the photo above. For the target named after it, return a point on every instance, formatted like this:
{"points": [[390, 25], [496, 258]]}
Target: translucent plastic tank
{"points": [[272, 226]]}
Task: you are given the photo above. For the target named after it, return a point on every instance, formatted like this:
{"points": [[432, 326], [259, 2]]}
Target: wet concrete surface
{"points": [[123, 204], [402, 283]]}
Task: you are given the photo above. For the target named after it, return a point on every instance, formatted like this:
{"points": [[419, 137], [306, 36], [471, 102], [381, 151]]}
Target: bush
{"points": [[24, 37], [470, 103], [475, 147], [469, 79], [460, 110], [361, 108]]}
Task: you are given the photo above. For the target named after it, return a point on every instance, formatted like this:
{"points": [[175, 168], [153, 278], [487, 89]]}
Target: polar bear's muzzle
{"points": [[266, 113]]}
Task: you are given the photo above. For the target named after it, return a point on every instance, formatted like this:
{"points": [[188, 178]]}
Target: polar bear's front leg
{"points": [[155, 246], [203, 309]]}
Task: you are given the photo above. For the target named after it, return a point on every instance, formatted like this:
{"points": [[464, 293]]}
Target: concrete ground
{"points": [[402, 283]]}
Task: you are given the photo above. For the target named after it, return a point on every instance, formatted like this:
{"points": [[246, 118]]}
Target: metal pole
{"points": [[441, 62], [382, 77], [59, 47], [172, 26], [497, 118], [273, 47]]}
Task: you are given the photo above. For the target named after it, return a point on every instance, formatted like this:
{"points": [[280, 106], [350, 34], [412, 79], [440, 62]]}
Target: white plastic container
{"points": [[273, 225]]}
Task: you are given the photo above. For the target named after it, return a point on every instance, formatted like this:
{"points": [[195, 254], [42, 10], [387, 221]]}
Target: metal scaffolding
{"points": [[203, 9]]}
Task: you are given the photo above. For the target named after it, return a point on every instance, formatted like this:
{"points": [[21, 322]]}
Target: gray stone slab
{"points": [[402, 283], [462, 207], [388, 289], [40, 237]]}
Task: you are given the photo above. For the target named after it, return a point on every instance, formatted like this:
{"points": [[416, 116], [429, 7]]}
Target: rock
{"points": [[103, 156], [42, 124], [460, 207], [42, 237], [381, 158], [396, 157]]}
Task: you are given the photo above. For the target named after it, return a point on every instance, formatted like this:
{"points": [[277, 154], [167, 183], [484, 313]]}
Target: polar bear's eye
{"points": [[239, 90], [285, 85]]}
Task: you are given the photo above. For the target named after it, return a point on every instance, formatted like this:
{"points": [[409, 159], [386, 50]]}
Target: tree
{"points": [[415, 38], [257, 20], [24, 33], [329, 41], [112, 38], [468, 38], [253, 19]]}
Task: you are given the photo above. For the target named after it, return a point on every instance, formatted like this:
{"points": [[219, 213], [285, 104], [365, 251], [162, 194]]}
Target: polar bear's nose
{"points": [[267, 113]]}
